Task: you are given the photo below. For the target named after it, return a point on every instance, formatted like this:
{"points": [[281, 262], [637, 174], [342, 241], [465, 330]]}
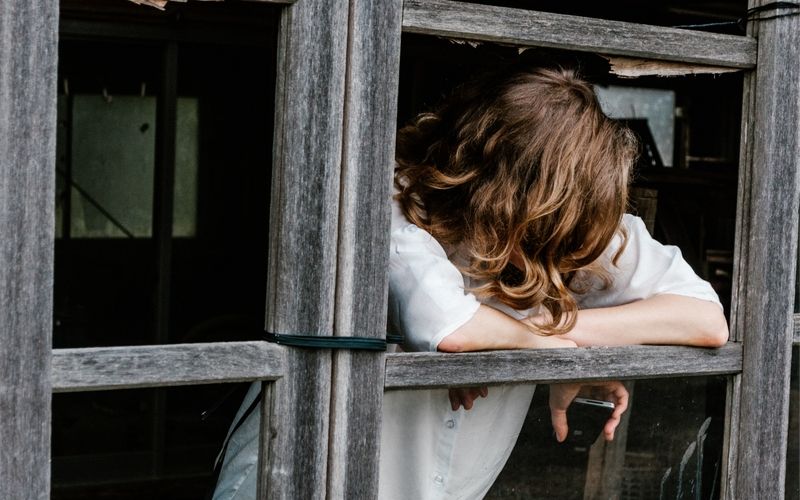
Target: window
{"points": [[331, 57]]}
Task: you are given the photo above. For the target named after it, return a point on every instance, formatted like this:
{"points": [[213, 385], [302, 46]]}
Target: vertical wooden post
{"points": [[28, 52], [370, 109], [765, 276], [303, 236]]}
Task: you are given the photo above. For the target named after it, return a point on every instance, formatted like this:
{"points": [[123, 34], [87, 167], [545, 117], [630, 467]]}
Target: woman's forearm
{"points": [[491, 329], [661, 319]]}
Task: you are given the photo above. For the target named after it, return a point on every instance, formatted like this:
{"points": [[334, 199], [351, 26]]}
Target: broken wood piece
{"points": [[158, 4], [630, 67]]}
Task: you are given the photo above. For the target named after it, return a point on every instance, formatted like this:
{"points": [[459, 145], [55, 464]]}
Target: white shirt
{"points": [[429, 451]]}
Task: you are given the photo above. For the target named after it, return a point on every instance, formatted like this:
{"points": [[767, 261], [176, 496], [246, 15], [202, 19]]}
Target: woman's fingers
{"points": [[618, 394], [455, 399], [466, 396], [561, 395], [558, 418]]}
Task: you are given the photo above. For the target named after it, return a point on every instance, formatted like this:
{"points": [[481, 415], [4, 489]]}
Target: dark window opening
{"points": [[163, 167], [687, 198]]}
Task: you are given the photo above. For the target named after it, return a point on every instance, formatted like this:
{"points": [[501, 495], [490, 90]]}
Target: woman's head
{"points": [[522, 167]]}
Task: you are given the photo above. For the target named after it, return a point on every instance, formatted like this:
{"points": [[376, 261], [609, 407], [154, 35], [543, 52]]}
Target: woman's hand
{"points": [[561, 395], [466, 396]]}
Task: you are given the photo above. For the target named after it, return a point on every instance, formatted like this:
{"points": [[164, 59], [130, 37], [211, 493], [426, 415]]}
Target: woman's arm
{"points": [[490, 329], [661, 319]]}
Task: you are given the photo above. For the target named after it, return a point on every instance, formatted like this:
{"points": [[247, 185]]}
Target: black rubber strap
{"points": [[328, 342]]}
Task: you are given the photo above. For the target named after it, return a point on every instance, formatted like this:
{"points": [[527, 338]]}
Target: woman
{"points": [[508, 232]]}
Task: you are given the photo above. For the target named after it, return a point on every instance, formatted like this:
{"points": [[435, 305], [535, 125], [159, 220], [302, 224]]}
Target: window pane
{"points": [[657, 106], [668, 422], [793, 450], [113, 144], [137, 444], [186, 149]]}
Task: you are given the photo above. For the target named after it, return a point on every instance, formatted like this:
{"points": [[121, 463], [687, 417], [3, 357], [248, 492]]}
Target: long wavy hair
{"points": [[528, 177]]}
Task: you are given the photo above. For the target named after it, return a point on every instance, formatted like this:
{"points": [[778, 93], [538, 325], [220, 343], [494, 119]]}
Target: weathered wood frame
{"points": [[28, 32], [335, 110], [765, 263]]}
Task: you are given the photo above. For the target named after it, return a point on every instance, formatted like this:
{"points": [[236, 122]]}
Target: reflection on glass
{"points": [[113, 144], [184, 221], [668, 445], [112, 166], [657, 106]]}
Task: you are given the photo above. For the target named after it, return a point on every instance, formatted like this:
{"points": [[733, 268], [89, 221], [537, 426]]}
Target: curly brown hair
{"points": [[520, 167]]}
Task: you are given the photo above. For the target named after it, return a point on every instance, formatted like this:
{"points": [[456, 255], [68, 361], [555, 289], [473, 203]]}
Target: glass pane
{"points": [[671, 440], [143, 443], [113, 144], [62, 126], [186, 164], [793, 450], [656, 106]]}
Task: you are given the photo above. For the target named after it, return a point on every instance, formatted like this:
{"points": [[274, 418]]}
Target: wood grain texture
{"points": [[301, 280], [429, 370], [524, 27], [28, 53], [738, 302], [105, 368], [370, 107], [796, 331], [767, 278]]}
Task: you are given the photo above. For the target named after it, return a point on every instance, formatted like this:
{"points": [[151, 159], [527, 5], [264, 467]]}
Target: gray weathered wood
{"points": [[301, 280], [427, 370], [373, 66], [523, 27], [28, 53], [104, 368], [796, 332], [738, 309], [767, 274]]}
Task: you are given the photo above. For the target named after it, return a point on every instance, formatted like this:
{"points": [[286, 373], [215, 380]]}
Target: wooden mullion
{"points": [[767, 272], [28, 52], [370, 110], [107, 368], [739, 288], [431, 370], [529, 28], [301, 280]]}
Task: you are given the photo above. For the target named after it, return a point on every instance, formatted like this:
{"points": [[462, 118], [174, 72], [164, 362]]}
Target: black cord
{"points": [[329, 342], [752, 15]]}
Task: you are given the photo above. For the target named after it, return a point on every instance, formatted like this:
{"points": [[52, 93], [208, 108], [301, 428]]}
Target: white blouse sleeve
{"points": [[644, 269], [427, 300]]}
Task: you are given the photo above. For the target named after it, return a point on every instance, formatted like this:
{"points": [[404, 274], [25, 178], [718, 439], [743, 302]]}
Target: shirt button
{"points": [[450, 423], [438, 479]]}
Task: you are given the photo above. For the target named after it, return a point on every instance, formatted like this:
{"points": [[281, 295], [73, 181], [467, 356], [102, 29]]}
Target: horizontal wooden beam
{"points": [[430, 370], [105, 368], [529, 28]]}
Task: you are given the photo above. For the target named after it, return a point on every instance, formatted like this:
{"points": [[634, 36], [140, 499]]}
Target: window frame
{"points": [[337, 86]]}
